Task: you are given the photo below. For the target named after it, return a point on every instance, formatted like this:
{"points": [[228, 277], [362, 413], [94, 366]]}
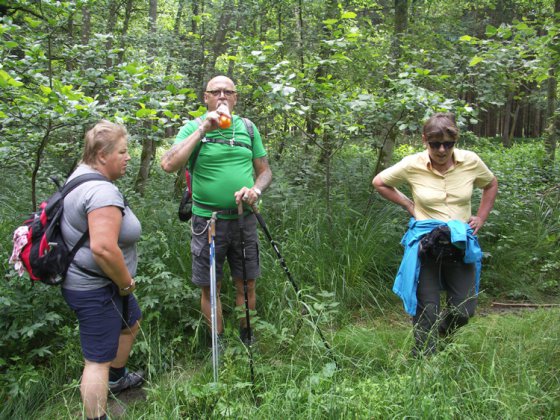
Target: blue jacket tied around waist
{"points": [[409, 270]]}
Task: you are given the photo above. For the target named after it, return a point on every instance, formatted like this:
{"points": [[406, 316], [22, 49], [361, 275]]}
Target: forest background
{"points": [[338, 90]]}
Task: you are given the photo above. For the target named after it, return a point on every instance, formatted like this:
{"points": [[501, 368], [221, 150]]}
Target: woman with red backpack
{"points": [[99, 283]]}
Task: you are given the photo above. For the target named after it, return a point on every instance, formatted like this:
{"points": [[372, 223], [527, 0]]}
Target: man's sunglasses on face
{"points": [[218, 92], [437, 144]]}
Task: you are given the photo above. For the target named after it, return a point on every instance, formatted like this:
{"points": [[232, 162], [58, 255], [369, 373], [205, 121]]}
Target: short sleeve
{"points": [[484, 176], [186, 131], [102, 194], [397, 174]]}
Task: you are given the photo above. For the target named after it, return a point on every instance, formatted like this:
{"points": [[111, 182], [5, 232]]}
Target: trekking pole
{"points": [[241, 222], [287, 271], [213, 306]]}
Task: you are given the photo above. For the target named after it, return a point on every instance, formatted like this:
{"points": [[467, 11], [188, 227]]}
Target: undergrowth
{"points": [[343, 262]]}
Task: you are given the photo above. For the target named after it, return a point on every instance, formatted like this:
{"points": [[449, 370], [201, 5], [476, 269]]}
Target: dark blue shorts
{"points": [[100, 319]]}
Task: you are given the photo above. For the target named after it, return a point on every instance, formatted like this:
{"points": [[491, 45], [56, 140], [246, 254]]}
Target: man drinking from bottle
{"points": [[228, 166]]}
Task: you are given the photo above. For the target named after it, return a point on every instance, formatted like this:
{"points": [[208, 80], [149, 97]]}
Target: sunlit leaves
{"points": [[475, 60], [7, 80]]}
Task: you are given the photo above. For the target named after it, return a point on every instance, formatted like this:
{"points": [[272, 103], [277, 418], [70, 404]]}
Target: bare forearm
{"points": [[263, 180], [488, 198], [111, 261], [179, 154], [393, 195]]}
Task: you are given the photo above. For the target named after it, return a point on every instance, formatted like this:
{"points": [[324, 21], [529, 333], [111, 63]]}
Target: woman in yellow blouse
{"points": [[441, 249]]}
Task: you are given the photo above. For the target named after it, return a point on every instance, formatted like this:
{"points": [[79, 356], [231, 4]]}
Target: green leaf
{"points": [[348, 15], [145, 112], [32, 22], [466, 38], [330, 22], [475, 60], [131, 69], [45, 89], [7, 80], [491, 30]]}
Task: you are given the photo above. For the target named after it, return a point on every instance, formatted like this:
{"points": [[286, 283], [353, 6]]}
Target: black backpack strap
{"points": [[65, 190], [197, 150], [250, 130], [248, 126], [75, 182], [227, 142], [74, 250]]}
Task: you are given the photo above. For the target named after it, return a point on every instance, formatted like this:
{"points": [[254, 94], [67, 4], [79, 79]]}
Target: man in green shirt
{"points": [[225, 161]]}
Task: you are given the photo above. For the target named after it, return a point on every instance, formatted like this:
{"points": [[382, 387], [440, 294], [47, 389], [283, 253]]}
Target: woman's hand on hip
{"points": [[475, 222]]}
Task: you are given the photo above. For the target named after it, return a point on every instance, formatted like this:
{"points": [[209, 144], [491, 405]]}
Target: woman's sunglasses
{"points": [[437, 144]]}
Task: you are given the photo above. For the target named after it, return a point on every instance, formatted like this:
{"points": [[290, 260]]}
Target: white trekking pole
{"points": [[213, 305]]}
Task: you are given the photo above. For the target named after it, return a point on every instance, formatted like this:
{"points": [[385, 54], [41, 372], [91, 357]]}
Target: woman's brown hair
{"points": [[440, 125]]}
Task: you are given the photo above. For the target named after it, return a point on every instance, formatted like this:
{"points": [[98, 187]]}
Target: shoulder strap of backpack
{"points": [[227, 142], [197, 150], [75, 182], [248, 126], [65, 190]]}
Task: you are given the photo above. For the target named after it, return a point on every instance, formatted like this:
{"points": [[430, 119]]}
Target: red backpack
{"points": [[39, 247]]}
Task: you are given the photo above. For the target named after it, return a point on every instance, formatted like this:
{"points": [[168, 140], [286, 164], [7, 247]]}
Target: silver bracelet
{"points": [[127, 288]]}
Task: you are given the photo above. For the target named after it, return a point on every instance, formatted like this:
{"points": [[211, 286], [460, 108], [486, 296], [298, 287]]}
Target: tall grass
{"points": [[344, 261]]}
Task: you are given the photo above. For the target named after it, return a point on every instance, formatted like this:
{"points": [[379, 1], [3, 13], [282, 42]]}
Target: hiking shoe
{"points": [[128, 381], [244, 336]]}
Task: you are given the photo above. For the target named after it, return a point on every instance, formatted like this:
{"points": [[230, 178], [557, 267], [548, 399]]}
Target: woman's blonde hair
{"points": [[439, 126], [103, 137]]}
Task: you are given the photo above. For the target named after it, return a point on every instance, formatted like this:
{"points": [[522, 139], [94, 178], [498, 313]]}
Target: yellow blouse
{"points": [[436, 196]]}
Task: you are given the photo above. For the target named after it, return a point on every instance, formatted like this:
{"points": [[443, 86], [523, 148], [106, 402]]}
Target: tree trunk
{"points": [[174, 48], [551, 136], [37, 165], [113, 9], [299, 31], [198, 73], [86, 24], [69, 64], [401, 23], [506, 121], [219, 43], [148, 144], [514, 122], [126, 24], [386, 152], [553, 130]]}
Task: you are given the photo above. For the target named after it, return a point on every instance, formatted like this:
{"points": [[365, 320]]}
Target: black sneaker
{"points": [[128, 381]]}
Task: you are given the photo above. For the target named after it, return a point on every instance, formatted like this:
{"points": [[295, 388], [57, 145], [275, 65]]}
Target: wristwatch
{"points": [[258, 191]]}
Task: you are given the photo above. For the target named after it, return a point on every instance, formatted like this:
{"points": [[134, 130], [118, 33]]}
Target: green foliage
{"points": [[325, 93]]}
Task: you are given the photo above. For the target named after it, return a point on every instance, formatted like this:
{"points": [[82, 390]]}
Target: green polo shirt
{"points": [[222, 169]]}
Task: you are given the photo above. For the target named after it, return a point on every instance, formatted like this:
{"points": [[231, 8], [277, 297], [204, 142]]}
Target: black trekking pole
{"points": [[287, 271], [241, 222]]}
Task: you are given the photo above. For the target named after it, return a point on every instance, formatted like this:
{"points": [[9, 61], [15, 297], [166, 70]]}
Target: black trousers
{"points": [[457, 279]]}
